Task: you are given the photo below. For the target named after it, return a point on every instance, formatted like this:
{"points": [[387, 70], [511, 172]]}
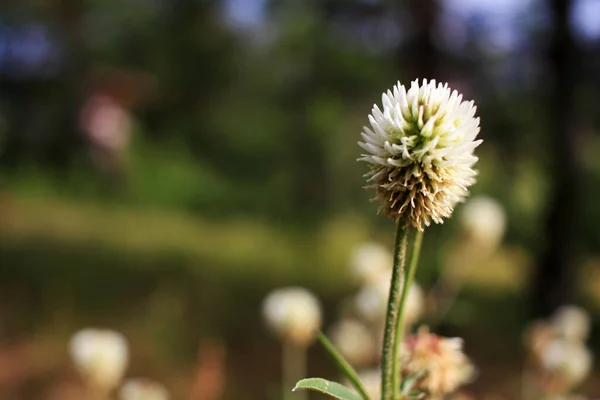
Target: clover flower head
{"points": [[100, 355], [420, 152], [443, 359], [293, 314]]}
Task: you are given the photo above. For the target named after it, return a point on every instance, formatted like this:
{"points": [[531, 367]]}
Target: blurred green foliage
{"points": [[241, 174]]}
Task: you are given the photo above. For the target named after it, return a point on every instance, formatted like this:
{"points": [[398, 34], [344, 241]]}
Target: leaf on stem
{"points": [[332, 389], [343, 365]]}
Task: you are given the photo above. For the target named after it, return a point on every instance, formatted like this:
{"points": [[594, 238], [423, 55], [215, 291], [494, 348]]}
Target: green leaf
{"points": [[332, 389], [343, 365]]}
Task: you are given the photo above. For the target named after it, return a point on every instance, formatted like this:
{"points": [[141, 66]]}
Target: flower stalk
{"points": [[400, 325], [343, 365], [419, 148], [387, 361], [294, 368]]}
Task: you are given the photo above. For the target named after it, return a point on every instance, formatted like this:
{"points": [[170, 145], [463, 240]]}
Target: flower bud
{"points": [[293, 314], [369, 261], [484, 221], [101, 356], [354, 341], [371, 301], [572, 323]]}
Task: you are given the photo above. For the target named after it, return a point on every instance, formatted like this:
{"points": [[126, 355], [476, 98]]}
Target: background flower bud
{"points": [[354, 341], [572, 323], [484, 221], [292, 314], [101, 356], [369, 261]]}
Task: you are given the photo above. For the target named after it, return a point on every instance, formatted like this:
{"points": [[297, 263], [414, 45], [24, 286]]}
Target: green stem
{"points": [[294, 368], [344, 366], [410, 276], [387, 361]]}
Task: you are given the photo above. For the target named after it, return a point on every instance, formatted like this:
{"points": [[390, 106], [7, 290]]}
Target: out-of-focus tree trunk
{"points": [[423, 53], [71, 16], [554, 280], [309, 194]]}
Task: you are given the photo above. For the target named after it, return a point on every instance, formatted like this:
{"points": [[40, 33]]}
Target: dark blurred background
{"points": [[165, 163]]}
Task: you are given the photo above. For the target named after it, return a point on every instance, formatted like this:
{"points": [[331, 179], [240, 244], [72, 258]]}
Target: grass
{"points": [[244, 246]]}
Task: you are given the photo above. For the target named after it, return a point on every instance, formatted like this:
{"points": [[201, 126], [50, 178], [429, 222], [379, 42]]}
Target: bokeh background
{"points": [[166, 163]]}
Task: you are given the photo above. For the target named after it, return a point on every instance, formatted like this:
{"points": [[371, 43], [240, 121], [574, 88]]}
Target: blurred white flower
{"points": [[420, 152], [354, 340], [569, 362], [371, 301], [292, 314], [107, 123], [558, 351], [369, 261], [537, 337], [484, 220], [100, 355], [447, 366], [571, 323], [371, 380], [143, 389]]}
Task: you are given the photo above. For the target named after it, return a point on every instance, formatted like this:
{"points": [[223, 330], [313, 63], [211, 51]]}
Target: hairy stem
{"points": [[387, 361], [399, 331]]}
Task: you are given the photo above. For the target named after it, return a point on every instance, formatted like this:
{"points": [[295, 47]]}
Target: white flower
{"points": [[369, 261], [558, 349], [569, 362], [371, 380], [143, 389], [420, 151], [100, 355], [483, 218], [371, 301], [537, 337], [354, 341], [571, 323], [293, 314]]}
